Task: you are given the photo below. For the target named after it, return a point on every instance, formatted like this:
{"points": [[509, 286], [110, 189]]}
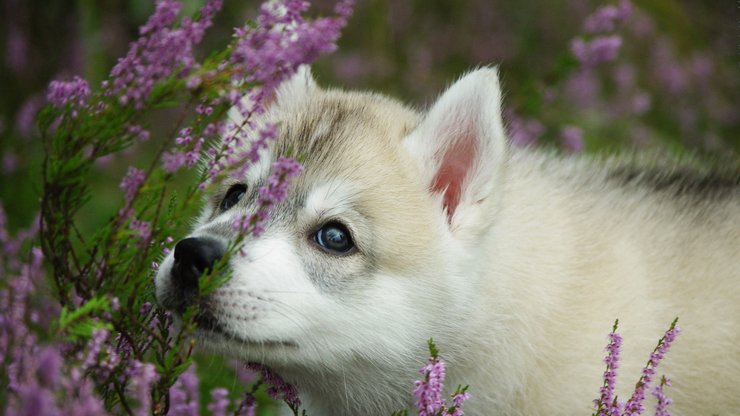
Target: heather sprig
{"points": [[604, 46], [161, 51], [634, 405], [75, 92], [120, 352], [278, 388], [608, 404], [428, 391]]}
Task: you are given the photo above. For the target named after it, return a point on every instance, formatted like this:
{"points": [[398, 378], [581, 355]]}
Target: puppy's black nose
{"points": [[193, 257]]}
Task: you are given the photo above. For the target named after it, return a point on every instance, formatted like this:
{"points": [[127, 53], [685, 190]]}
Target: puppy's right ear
{"points": [[460, 147]]}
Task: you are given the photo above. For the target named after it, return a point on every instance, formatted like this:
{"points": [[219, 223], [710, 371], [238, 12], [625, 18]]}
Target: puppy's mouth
{"points": [[207, 323]]}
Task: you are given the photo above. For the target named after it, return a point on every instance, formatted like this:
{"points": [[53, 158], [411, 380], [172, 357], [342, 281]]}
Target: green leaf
{"points": [[433, 351], [69, 318]]}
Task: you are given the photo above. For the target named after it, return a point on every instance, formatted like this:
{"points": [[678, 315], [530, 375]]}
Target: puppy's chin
{"points": [[211, 337]]}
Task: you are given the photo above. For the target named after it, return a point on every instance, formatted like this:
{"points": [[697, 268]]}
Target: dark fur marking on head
{"points": [[680, 182], [298, 137]]}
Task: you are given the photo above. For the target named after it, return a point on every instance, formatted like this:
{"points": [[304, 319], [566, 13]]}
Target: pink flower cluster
{"points": [[39, 380], [75, 92], [268, 57], [606, 18], [187, 153], [634, 406], [278, 387], [162, 50], [599, 50], [602, 48], [608, 404], [428, 390], [661, 409], [131, 182]]}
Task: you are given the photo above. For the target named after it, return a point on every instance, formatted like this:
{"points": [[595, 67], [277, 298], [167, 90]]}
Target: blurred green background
{"points": [[675, 84]]}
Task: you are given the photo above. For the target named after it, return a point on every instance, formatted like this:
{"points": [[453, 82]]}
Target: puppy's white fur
{"points": [[515, 261]]}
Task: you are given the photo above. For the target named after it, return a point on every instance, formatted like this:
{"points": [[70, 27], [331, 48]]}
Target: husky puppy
{"points": [[409, 225]]}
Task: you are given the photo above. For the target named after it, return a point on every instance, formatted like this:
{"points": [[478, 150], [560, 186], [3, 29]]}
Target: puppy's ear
{"points": [[460, 146], [300, 85]]}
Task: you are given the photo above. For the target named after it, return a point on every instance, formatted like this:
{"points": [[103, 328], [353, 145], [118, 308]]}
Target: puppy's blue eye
{"points": [[334, 237], [233, 196]]}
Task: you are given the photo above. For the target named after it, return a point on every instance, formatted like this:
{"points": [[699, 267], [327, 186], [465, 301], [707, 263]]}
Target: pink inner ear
{"points": [[456, 163]]}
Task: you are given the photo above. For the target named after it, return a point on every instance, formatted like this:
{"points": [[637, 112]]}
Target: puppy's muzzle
{"points": [[193, 258]]}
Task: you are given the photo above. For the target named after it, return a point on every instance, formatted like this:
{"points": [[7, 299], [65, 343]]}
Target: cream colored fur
{"points": [[518, 280]]}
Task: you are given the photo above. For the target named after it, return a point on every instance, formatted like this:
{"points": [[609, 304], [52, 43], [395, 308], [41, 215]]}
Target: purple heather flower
{"points": [[85, 402], [184, 394], [173, 161], [283, 40], [143, 228], [668, 71], [219, 402], [458, 399], [75, 92], [583, 87], [49, 367], [607, 17], [524, 132], [138, 131], [572, 137], [131, 182], [142, 376], [248, 406], [244, 374], [635, 404], [34, 400], [662, 400], [599, 50], [99, 337], [428, 390], [606, 404], [277, 385], [162, 50]]}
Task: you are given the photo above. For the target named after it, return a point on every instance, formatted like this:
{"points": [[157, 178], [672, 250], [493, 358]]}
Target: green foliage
{"points": [[433, 350], [80, 323]]}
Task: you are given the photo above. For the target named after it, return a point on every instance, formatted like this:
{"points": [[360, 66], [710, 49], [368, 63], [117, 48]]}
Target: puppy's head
{"points": [[366, 255]]}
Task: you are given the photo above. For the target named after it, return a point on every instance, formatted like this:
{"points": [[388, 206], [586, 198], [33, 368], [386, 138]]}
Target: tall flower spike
{"points": [[661, 407], [184, 394], [635, 404], [278, 387], [162, 50], [428, 390], [75, 92], [607, 404]]}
